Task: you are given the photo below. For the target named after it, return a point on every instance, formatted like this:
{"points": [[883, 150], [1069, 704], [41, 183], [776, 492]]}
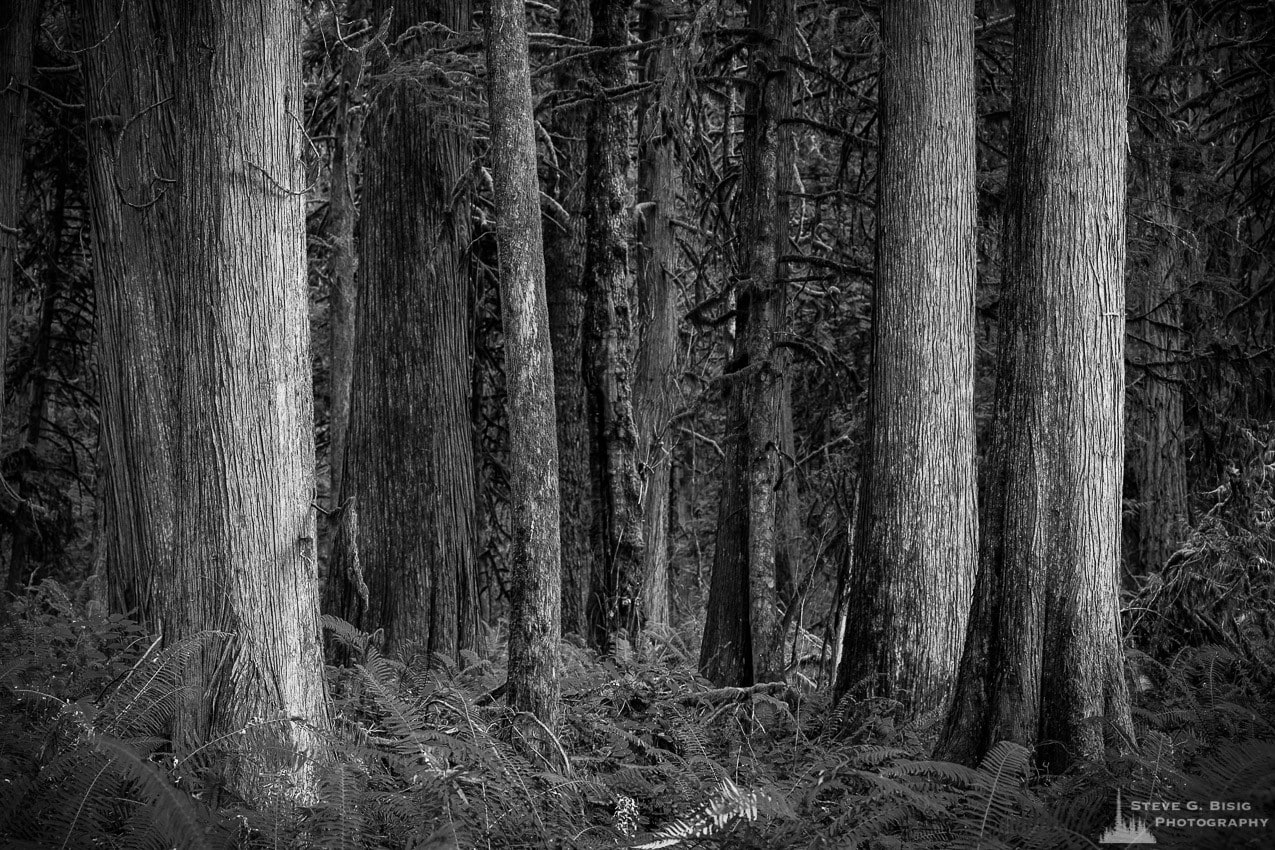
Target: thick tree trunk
{"points": [[533, 468], [225, 356], [654, 380], [132, 156], [1043, 657], [409, 455], [610, 339], [741, 640], [564, 265], [914, 572], [18, 21]]}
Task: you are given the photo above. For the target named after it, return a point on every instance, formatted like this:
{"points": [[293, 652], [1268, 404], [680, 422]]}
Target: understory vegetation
{"points": [[648, 755]]}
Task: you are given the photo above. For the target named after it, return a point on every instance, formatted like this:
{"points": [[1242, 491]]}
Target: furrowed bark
{"points": [[132, 141], [654, 381], [1043, 660], [917, 548], [409, 455]]}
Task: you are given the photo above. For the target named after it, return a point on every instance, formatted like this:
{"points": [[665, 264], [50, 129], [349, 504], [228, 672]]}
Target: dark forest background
{"points": [[765, 247]]}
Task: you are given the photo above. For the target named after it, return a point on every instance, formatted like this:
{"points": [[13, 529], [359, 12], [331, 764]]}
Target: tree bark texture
{"points": [[132, 139], [533, 474], [1157, 451], [409, 460], [610, 337], [655, 379], [564, 265], [914, 573], [1043, 659], [741, 641], [227, 295], [343, 259], [18, 21]]}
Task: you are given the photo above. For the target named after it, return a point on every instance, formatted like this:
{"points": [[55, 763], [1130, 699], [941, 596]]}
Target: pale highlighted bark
{"points": [[1043, 660], [221, 378], [533, 472]]}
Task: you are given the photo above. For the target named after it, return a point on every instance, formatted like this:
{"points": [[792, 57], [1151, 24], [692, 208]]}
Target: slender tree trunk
{"points": [[657, 315], [533, 473], [564, 262], [1043, 657], [221, 376], [343, 259], [914, 573], [610, 338], [18, 21], [742, 643], [132, 157], [1157, 455], [409, 455]]}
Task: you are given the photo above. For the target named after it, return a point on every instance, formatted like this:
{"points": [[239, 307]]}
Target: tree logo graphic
{"points": [[1130, 830]]}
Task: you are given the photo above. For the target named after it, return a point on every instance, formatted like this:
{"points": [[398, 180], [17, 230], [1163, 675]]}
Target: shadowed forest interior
{"points": [[637, 423]]}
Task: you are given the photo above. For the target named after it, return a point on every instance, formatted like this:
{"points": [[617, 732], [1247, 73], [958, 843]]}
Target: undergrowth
{"points": [[647, 755]]}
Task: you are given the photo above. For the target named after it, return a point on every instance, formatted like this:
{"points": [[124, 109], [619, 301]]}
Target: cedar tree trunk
{"points": [[1043, 660], [914, 573], [219, 374], [132, 138], [654, 380], [409, 455]]}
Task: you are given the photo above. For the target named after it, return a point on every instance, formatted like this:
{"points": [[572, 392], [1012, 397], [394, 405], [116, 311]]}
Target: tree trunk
{"points": [[742, 644], [132, 157], [657, 315], [533, 468], [18, 21], [409, 456], [225, 355], [1157, 454], [343, 260], [610, 337], [564, 261], [1043, 657], [914, 572]]}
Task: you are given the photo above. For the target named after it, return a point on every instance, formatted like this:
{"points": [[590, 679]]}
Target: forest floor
{"points": [[647, 754]]}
